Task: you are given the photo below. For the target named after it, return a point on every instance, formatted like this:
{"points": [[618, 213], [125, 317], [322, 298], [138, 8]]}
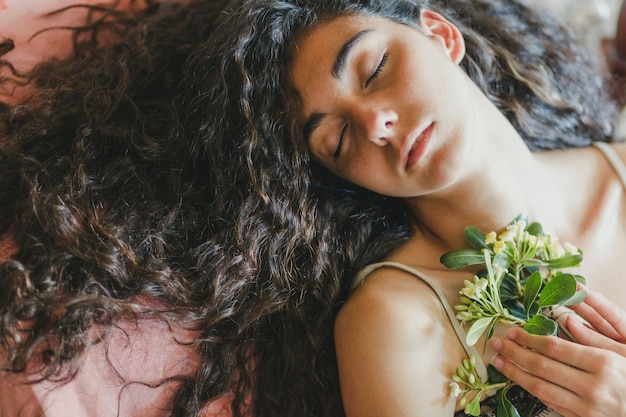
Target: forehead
{"points": [[316, 49], [320, 44]]}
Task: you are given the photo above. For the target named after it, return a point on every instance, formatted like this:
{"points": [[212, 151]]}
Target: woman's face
{"points": [[385, 106]]}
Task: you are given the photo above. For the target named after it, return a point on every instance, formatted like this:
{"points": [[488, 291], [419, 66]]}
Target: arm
{"points": [[395, 349], [580, 379]]}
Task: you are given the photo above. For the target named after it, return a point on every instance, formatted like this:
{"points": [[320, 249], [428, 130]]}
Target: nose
{"points": [[377, 124]]}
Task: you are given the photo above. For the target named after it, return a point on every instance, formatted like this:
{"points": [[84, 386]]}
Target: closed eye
{"points": [[378, 70], [337, 152]]}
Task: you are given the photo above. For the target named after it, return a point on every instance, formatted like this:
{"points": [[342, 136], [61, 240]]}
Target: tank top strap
{"points": [[614, 160], [460, 332]]}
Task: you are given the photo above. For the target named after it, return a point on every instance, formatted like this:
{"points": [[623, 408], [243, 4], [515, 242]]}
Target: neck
{"points": [[493, 189]]}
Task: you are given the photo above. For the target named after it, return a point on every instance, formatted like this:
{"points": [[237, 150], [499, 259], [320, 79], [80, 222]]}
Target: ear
{"points": [[445, 33]]}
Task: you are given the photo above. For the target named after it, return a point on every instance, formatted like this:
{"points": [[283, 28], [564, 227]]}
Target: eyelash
{"points": [[340, 143], [378, 70]]}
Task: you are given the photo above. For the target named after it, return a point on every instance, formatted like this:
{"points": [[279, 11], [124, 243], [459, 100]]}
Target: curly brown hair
{"points": [[107, 207], [122, 179]]}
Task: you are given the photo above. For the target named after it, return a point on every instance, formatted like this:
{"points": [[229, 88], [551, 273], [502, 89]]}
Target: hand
{"points": [[605, 317], [583, 379]]}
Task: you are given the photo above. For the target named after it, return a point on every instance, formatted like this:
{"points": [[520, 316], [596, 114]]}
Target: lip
{"points": [[415, 149]]}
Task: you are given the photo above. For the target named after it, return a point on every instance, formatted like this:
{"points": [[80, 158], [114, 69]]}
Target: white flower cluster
{"points": [[546, 247], [522, 272], [467, 384]]}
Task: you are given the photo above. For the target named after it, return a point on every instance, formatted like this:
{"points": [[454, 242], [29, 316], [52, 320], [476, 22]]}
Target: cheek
{"points": [[371, 172], [449, 161]]}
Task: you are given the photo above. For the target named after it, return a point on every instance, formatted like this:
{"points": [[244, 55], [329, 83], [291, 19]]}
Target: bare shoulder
{"points": [[395, 348], [389, 294]]}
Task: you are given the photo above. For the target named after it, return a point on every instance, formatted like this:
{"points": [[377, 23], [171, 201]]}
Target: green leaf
{"points": [[566, 261], [581, 279], [577, 298], [461, 258], [560, 289], [503, 259], [508, 288], [534, 262], [529, 408], [529, 269], [492, 327], [535, 229], [473, 407], [533, 310], [541, 325], [520, 217], [531, 291], [495, 376], [475, 237], [505, 407], [477, 329]]}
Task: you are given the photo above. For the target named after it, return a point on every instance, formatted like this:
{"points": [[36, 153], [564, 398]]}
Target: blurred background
{"points": [[596, 21]]}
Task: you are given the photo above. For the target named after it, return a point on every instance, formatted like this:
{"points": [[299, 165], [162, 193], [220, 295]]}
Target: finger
{"points": [[610, 312], [596, 320], [555, 396], [561, 410], [589, 337], [546, 366], [564, 353]]}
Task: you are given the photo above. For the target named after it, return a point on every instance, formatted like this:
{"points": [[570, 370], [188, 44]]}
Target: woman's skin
{"points": [[585, 378], [387, 107]]}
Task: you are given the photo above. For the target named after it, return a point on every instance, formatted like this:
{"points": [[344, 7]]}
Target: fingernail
{"points": [[496, 344], [573, 321], [511, 334], [497, 363]]}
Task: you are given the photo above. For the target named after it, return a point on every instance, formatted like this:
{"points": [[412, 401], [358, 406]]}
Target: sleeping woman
{"points": [[424, 116]]}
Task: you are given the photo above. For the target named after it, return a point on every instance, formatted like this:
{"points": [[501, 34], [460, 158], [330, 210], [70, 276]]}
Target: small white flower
{"points": [[570, 249], [541, 242], [499, 271], [469, 290], [506, 236], [480, 286], [556, 250], [499, 246], [455, 390], [531, 239], [490, 238], [516, 230]]}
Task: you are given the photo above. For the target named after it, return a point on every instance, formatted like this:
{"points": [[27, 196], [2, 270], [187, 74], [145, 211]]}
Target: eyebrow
{"points": [[342, 56], [338, 69]]}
